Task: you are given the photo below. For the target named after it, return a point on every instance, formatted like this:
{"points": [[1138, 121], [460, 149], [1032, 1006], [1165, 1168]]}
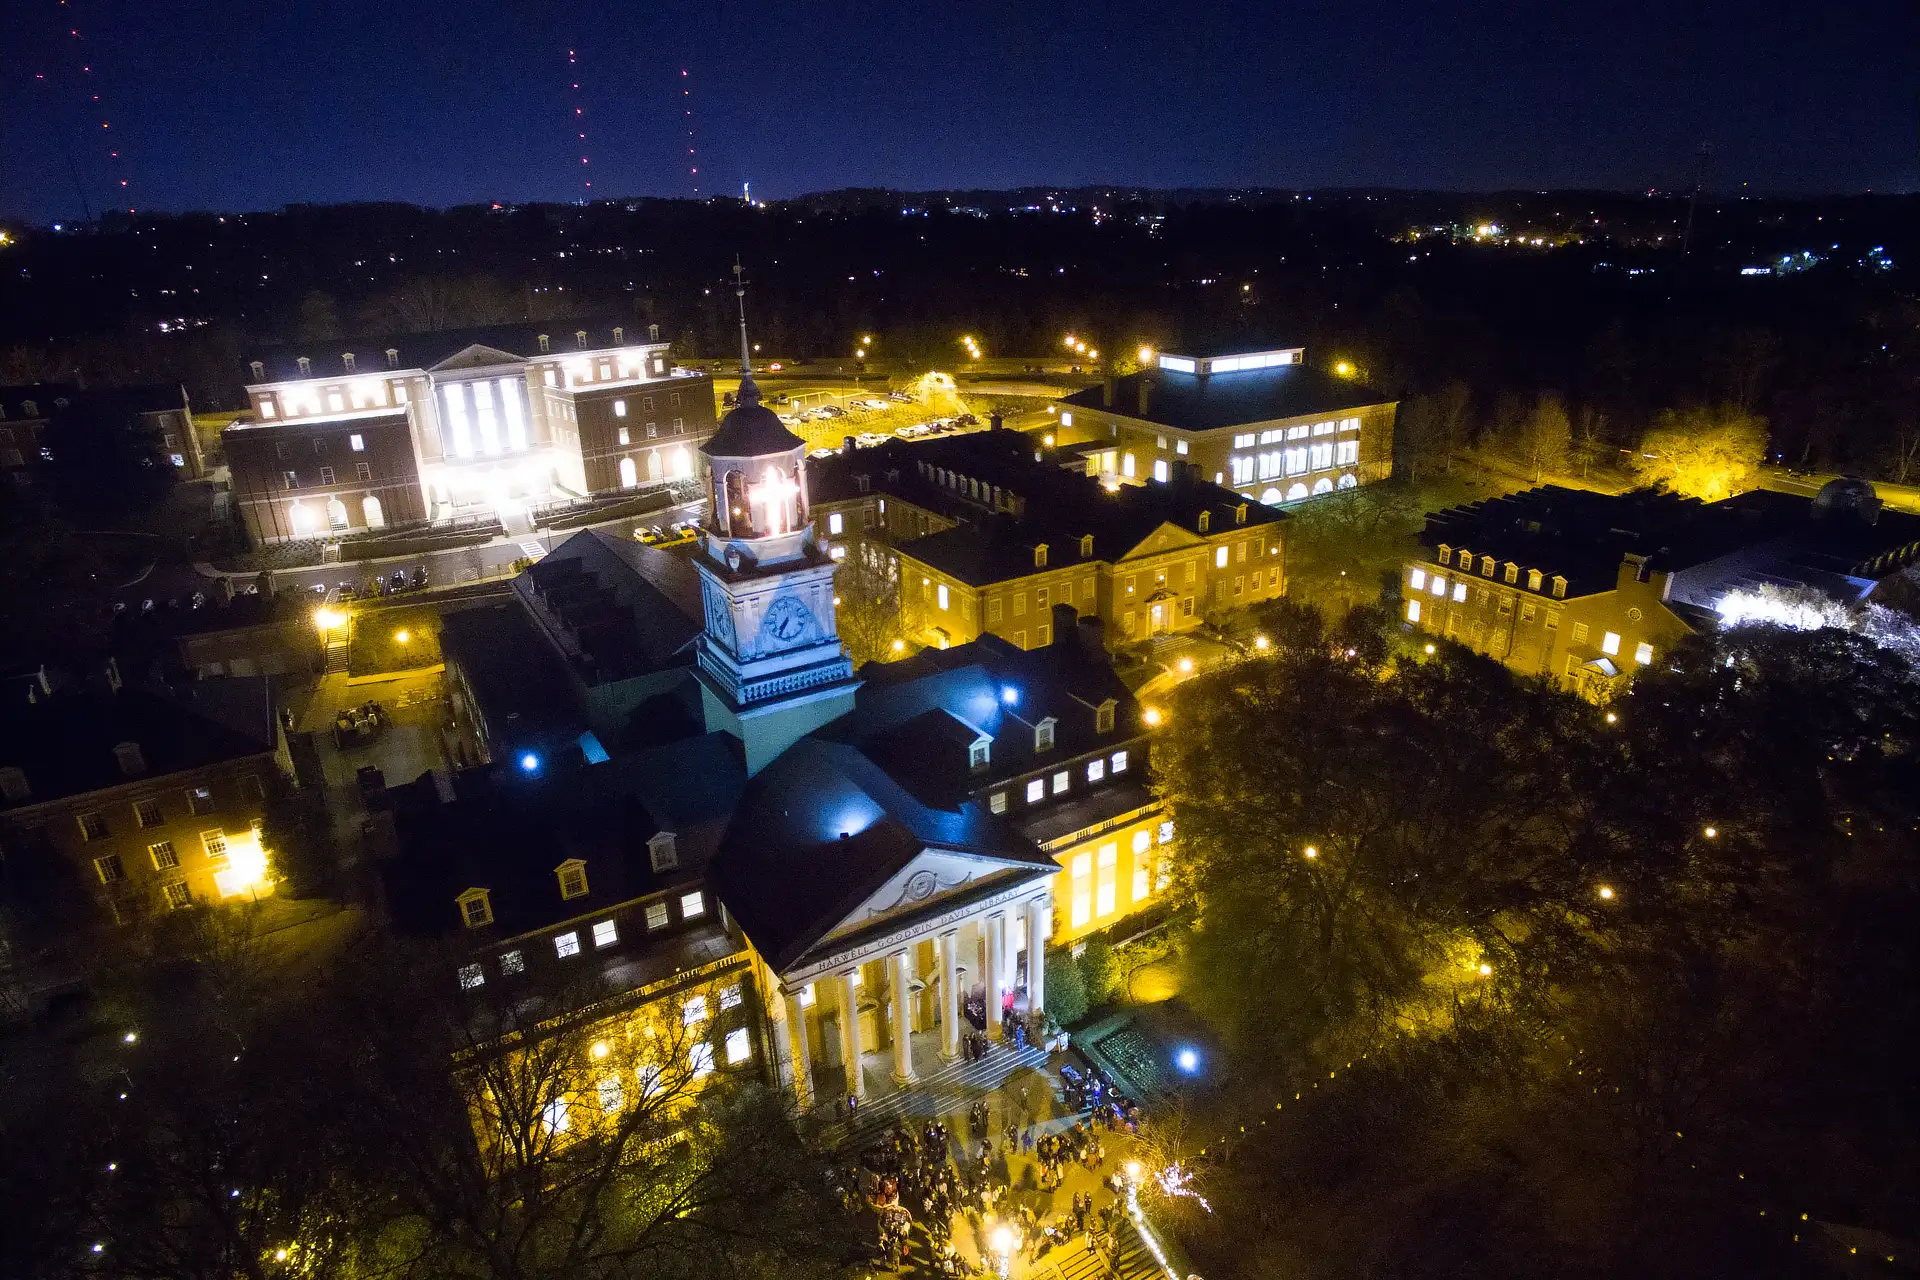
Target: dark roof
{"points": [[617, 608], [751, 430], [425, 350], [51, 398], [1583, 536], [64, 741], [1220, 400], [516, 677], [506, 832], [822, 827]]}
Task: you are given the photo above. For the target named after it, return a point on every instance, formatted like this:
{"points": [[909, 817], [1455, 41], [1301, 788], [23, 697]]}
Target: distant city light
{"points": [[530, 762]]}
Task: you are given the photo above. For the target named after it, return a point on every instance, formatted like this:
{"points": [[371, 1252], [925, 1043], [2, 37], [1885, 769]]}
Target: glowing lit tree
{"points": [[1705, 453]]}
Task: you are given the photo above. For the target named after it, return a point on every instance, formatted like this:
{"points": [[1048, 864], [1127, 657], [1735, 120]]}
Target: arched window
{"points": [[629, 474], [1348, 481], [376, 518], [1297, 492], [300, 516], [1322, 485], [653, 465], [738, 518], [337, 513], [1272, 497]]}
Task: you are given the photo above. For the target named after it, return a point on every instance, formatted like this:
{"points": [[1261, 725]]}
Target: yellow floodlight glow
{"points": [[1344, 368], [1003, 1240], [1606, 893], [1260, 642], [1612, 718], [1146, 354], [1152, 717], [600, 1049], [326, 619], [1047, 439], [402, 636], [899, 646], [1133, 1170], [1312, 852], [1186, 666], [246, 869], [1712, 832], [1430, 650], [1486, 970]]}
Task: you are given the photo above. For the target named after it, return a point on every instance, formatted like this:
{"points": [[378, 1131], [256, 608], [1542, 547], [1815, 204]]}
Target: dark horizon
{"points": [[232, 108]]}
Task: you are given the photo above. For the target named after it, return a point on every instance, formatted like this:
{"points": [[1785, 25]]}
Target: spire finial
{"points": [[748, 393]]}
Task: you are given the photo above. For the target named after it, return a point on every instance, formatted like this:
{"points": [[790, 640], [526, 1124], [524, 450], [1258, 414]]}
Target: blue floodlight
{"points": [[530, 762], [1009, 695], [1187, 1059]]}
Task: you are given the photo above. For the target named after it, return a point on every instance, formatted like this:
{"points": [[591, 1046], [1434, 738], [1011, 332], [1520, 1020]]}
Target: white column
{"points": [[782, 1050], [950, 995], [1039, 925], [996, 978], [899, 973], [850, 1035], [796, 1018]]}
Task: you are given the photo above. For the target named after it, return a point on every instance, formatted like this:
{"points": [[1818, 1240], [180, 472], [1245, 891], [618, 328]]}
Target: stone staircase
{"points": [[937, 1093], [339, 650]]}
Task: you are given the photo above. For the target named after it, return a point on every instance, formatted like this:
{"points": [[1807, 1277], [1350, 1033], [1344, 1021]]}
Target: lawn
{"points": [[378, 645]]}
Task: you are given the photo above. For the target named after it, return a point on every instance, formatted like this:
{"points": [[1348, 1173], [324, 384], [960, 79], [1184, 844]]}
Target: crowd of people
{"points": [[928, 1177]]}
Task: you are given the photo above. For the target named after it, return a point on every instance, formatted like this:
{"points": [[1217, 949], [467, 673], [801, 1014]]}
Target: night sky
{"points": [[249, 104]]}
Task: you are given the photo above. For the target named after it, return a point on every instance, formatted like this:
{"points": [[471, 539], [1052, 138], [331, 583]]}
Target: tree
{"points": [[1545, 438], [1431, 429], [298, 832], [1066, 989], [319, 317], [867, 586], [1705, 453], [1099, 971]]}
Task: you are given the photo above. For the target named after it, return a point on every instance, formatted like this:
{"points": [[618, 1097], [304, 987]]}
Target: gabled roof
{"points": [[476, 356], [823, 827], [425, 350], [618, 607]]}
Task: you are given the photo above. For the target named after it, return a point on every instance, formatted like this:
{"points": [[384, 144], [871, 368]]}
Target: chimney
{"points": [[132, 761], [995, 422], [846, 444], [1092, 634], [1106, 392]]}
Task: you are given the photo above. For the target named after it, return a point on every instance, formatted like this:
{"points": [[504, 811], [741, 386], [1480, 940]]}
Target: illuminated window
{"points": [[611, 1096], [694, 1011], [997, 802], [1105, 887], [941, 594], [1180, 446], [1413, 611], [1119, 761], [1610, 643], [1060, 781], [164, 858], [147, 813], [1439, 584], [1513, 573], [739, 1047], [475, 909], [1166, 831], [700, 1059], [1142, 841], [1346, 453], [1533, 579], [620, 410], [215, 843], [978, 755], [554, 1116], [692, 905], [1417, 579], [513, 962], [471, 976], [199, 800], [605, 934], [1220, 557], [656, 915], [1126, 465], [1142, 886], [1643, 654], [567, 944], [357, 443], [1459, 593], [623, 436], [1036, 791], [178, 895], [109, 869], [730, 996], [1579, 633], [835, 522], [1096, 770]]}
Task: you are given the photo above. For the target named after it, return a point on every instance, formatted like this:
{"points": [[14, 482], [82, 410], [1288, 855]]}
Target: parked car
{"points": [[822, 453]]}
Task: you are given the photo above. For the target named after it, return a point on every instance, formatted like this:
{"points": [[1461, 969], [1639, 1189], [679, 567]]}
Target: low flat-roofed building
{"points": [[1586, 588], [1262, 422]]}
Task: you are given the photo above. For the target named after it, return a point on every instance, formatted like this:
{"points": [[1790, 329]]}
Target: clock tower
{"points": [[770, 664]]}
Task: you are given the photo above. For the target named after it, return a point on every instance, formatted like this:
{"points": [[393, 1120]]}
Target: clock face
{"points": [[787, 621]]}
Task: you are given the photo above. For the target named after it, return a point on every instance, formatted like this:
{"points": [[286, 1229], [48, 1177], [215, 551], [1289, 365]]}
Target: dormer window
{"points": [[1446, 554], [393, 357], [1486, 566], [619, 336], [1533, 579], [1103, 717], [546, 343], [1240, 514], [1466, 560], [1040, 556], [1513, 573], [306, 367], [1043, 734], [346, 358], [1086, 544], [663, 852], [580, 338], [573, 878], [1206, 520], [476, 910], [259, 369], [980, 753], [1559, 587]]}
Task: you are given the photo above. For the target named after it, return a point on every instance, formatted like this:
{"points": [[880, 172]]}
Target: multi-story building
{"points": [[161, 414], [1264, 423], [1016, 533], [1586, 588], [469, 421], [150, 797]]}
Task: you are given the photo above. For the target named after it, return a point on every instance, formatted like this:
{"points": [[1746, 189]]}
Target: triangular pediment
{"points": [[934, 877], [1168, 537], [477, 356]]}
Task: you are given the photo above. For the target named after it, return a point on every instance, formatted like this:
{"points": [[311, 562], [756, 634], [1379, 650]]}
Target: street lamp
{"points": [[1344, 368], [1152, 717], [1146, 354]]}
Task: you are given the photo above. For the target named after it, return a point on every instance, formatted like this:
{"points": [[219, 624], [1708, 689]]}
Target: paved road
{"points": [[1901, 497]]}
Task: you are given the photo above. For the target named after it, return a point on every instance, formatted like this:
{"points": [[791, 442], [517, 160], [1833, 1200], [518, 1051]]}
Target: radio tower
{"points": [[686, 96], [1701, 160], [579, 119]]}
